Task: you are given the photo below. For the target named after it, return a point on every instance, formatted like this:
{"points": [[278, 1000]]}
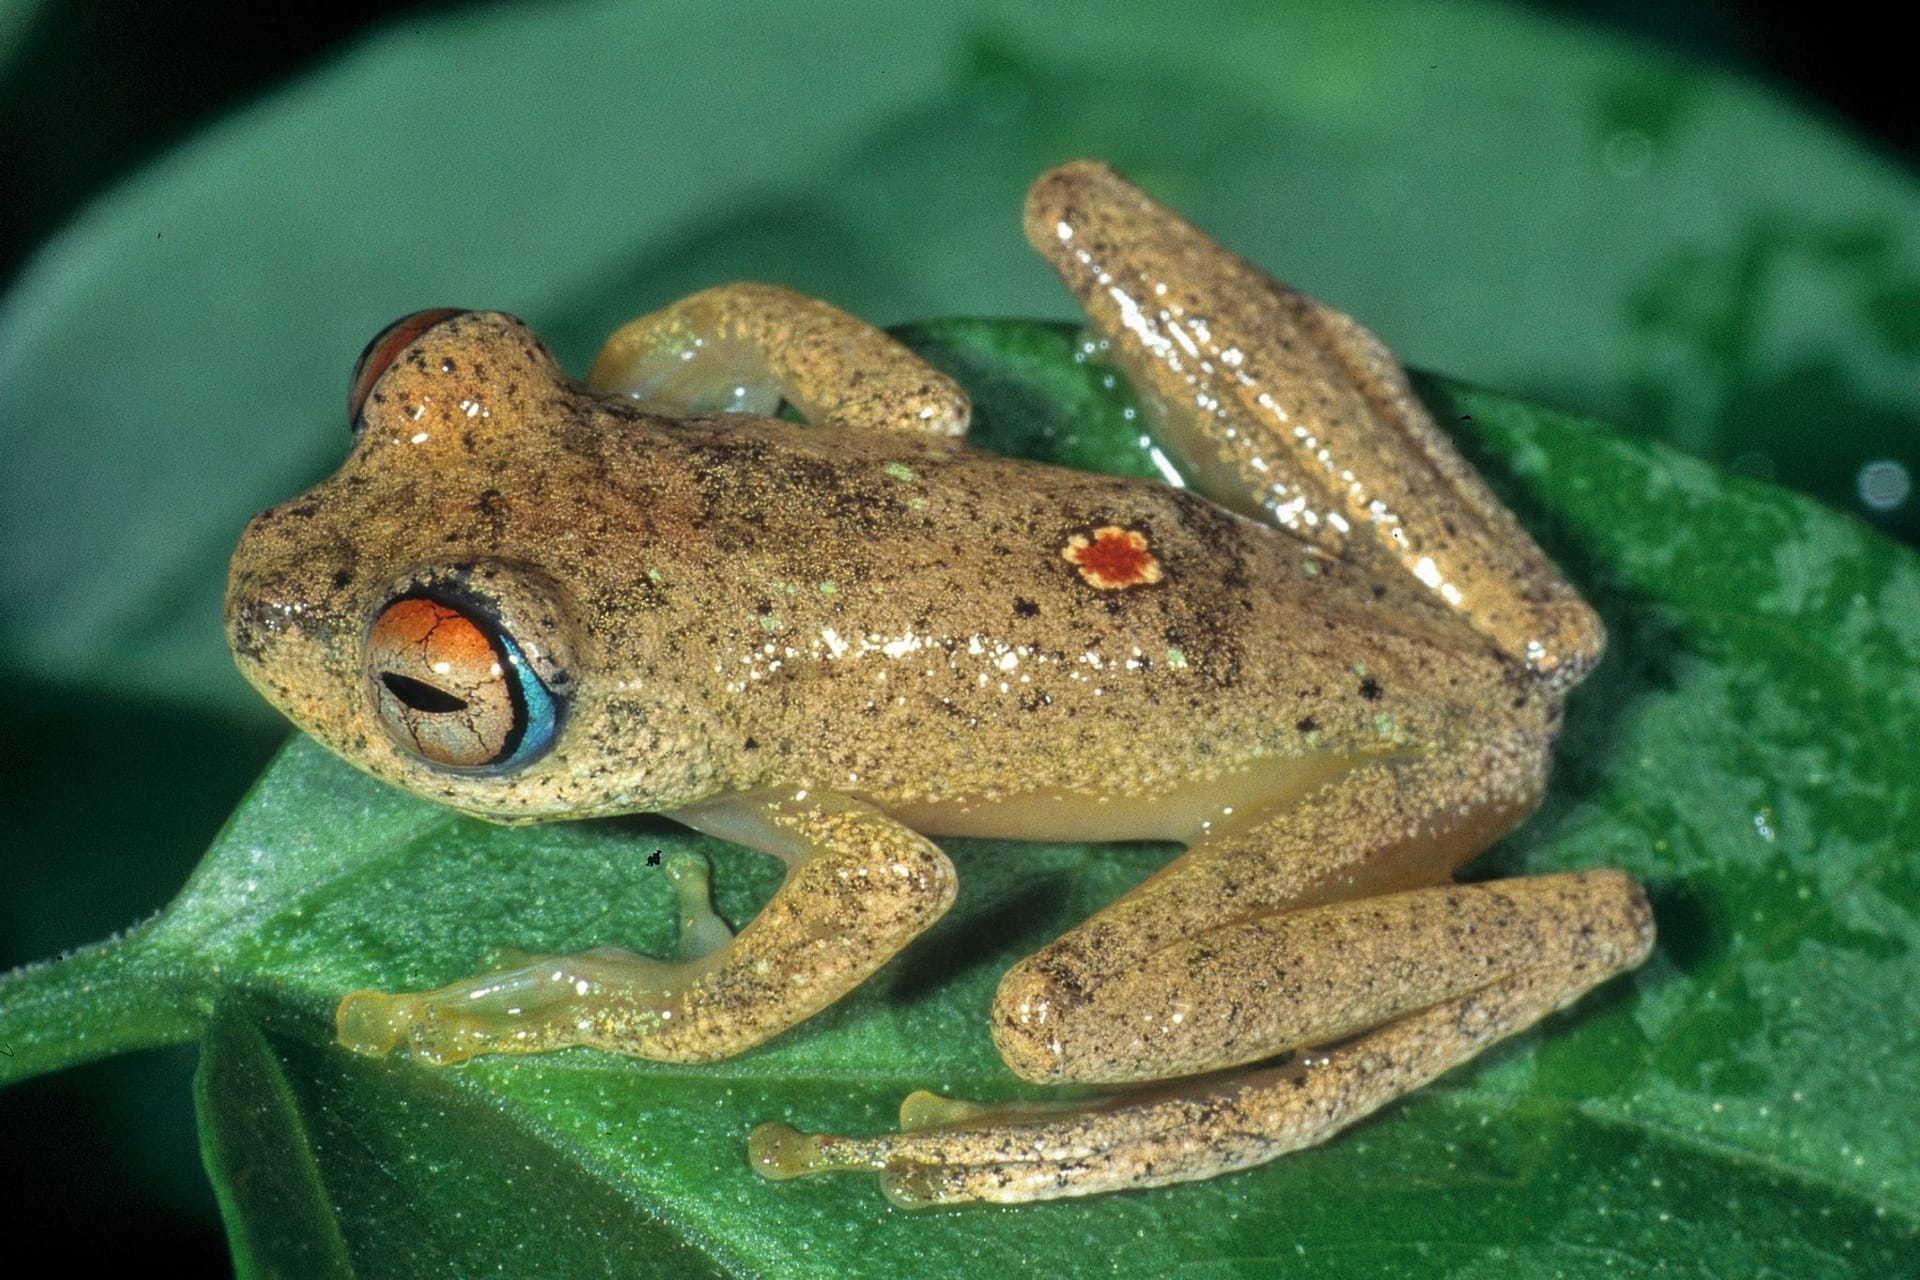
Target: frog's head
{"points": [[417, 611]]}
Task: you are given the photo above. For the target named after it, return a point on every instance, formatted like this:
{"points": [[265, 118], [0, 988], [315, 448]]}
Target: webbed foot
{"points": [[525, 1002], [608, 997]]}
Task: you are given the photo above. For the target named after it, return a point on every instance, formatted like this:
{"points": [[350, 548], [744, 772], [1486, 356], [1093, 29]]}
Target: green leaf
{"points": [[16, 16], [1744, 1104], [308, 1145]]}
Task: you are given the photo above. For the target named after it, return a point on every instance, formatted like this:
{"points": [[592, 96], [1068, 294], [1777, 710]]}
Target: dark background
{"points": [[148, 73]]}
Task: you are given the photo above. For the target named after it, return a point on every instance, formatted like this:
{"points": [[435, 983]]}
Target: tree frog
{"points": [[1332, 669]]}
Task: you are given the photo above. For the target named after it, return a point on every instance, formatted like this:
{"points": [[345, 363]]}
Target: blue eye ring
{"points": [[454, 688], [536, 708]]}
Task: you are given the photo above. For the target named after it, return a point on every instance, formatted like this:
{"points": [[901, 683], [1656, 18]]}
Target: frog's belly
{"points": [[1184, 812]]}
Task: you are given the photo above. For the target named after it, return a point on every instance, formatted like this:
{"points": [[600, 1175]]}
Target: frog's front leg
{"points": [[1327, 934], [743, 348], [859, 887]]}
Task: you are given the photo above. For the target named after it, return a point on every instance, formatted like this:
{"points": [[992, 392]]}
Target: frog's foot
{"points": [[928, 1123], [552, 1002], [530, 1003], [950, 1151], [506, 958]]}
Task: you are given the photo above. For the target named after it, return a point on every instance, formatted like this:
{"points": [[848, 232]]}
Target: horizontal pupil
{"points": [[421, 696]]}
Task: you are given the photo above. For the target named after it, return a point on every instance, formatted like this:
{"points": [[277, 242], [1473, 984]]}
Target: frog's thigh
{"points": [[859, 887], [1182, 1133], [1158, 984], [745, 347], [1263, 984], [1511, 953]]}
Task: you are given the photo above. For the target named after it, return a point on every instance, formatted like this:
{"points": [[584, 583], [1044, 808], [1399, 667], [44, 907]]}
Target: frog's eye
{"points": [[452, 687], [384, 350]]}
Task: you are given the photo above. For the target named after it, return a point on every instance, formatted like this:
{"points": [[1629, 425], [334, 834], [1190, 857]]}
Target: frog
{"points": [[750, 575]]}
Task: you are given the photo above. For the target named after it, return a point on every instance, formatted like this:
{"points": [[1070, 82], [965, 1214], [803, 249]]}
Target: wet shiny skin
{"points": [[830, 641]]}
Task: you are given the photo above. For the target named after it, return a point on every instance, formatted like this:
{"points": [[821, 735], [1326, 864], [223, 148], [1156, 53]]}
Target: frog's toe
{"points": [[779, 1152], [523, 1010], [371, 1022], [431, 1031]]}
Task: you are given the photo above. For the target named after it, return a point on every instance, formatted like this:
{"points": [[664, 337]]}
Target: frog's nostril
{"points": [[252, 625], [243, 638]]}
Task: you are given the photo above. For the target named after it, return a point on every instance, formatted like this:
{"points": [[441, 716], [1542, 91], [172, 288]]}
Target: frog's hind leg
{"points": [[1181, 1134], [1329, 935], [1288, 411], [743, 348]]}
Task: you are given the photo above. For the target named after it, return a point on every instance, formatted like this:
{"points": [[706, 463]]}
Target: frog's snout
{"points": [[269, 633], [257, 604], [278, 614]]}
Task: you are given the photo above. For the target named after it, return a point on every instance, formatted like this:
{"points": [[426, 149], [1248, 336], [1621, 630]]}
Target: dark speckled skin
{"points": [[828, 641], [955, 654]]}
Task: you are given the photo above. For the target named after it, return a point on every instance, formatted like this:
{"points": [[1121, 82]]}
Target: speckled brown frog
{"points": [[1334, 678]]}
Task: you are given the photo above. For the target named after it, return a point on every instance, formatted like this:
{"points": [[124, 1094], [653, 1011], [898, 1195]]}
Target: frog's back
{"points": [[923, 622]]}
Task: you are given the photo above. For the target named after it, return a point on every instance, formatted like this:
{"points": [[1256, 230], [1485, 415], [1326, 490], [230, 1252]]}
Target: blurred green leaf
{"points": [[1744, 1104], [1524, 203], [16, 16]]}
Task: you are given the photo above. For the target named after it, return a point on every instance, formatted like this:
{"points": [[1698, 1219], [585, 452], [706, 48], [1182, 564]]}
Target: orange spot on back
{"points": [[1113, 558]]}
